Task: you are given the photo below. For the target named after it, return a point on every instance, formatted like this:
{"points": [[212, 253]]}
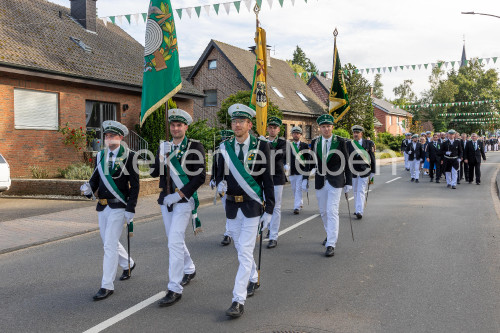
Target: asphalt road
{"points": [[425, 259]]}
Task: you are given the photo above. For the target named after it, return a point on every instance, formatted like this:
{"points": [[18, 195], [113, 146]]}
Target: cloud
{"points": [[371, 33]]}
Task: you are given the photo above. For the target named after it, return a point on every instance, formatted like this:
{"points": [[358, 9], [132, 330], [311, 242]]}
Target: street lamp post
{"points": [[472, 13]]}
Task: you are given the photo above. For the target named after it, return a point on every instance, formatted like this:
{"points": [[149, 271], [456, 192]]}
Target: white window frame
{"points": [[301, 95], [277, 92], [212, 61], [36, 110]]}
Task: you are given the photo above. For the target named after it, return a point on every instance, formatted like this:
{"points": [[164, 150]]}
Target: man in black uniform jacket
{"points": [[116, 178], [406, 141], [278, 150], [433, 156], [414, 151], [179, 204], [299, 159], [451, 150], [244, 174], [472, 156]]}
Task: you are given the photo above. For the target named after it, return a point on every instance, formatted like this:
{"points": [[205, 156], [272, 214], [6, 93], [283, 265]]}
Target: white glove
{"points": [[86, 189], [263, 138], [222, 187], [313, 171], [265, 219], [458, 160], [212, 184], [347, 188], [286, 167], [305, 185], [165, 148], [372, 175], [170, 199], [128, 217]]}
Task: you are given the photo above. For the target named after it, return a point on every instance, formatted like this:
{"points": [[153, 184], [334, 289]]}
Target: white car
{"points": [[4, 174]]}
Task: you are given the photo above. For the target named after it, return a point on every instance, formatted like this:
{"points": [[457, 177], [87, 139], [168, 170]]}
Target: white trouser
{"points": [[223, 200], [415, 168], [110, 226], [451, 177], [359, 185], [243, 230], [296, 182], [274, 225], [179, 259], [407, 162], [328, 201]]}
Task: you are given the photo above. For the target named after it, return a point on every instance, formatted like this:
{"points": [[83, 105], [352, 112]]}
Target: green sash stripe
{"points": [[249, 180], [107, 179], [297, 153], [362, 152]]}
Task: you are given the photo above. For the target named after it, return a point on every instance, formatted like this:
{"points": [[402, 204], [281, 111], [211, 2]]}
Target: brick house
{"points": [[394, 120], [223, 70], [321, 86], [68, 68]]}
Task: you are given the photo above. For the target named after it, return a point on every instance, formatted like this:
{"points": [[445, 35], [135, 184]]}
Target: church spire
{"points": [[464, 57]]}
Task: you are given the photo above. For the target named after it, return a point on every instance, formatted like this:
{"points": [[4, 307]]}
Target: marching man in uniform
{"points": [[331, 155], [117, 181], [246, 183], [404, 145], [414, 151], [451, 150], [362, 160], [298, 168], [179, 203], [278, 150]]}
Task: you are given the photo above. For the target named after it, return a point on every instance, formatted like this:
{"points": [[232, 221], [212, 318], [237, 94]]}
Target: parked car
{"points": [[4, 174]]}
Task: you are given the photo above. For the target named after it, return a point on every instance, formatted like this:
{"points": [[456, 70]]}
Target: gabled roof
{"points": [[389, 108], [325, 83], [279, 75], [33, 37], [187, 87]]}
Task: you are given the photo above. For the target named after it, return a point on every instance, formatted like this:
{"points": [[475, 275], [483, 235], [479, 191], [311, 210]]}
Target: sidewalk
{"points": [[25, 232]]}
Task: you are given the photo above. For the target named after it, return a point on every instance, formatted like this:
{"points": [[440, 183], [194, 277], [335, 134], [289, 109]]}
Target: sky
{"points": [[371, 33]]}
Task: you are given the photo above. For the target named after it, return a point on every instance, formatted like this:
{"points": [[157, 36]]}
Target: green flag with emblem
{"points": [[162, 75], [338, 99]]}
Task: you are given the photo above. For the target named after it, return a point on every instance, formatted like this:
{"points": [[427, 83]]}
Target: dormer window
{"points": [[302, 97]]}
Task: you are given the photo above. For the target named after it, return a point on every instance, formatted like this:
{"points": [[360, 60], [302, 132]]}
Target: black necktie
{"points": [[241, 156], [435, 144], [110, 160], [175, 147]]}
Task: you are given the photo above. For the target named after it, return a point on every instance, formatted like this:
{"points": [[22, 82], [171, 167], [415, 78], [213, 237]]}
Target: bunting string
{"points": [[468, 103]]}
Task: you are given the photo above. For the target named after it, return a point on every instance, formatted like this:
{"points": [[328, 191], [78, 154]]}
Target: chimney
{"points": [[85, 13], [268, 55]]}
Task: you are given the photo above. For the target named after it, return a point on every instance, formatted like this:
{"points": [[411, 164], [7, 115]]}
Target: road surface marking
{"points": [[392, 180], [122, 315], [298, 224]]}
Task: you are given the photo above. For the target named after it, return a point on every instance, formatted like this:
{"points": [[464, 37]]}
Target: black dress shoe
{"points": [[252, 286], [416, 181], [235, 310], [470, 182], [329, 251], [272, 244], [296, 211], [102, 294], [125, 275], [226, 241], [478, 183], [413, 179], [170, 299], [458, 183], [432, 180], [187, 278], [324, 242], [448, 185], [437, 181], [359, 216], [454, 187]]}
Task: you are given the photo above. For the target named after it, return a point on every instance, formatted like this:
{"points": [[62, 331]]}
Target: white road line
{"points": [[392, 180], [122, 315], [130, 311]]}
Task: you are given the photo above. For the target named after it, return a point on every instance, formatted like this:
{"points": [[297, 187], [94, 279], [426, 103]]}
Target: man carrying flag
{"points": [[338, 99]]}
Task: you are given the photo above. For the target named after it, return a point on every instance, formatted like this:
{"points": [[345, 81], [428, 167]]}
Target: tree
{"points": [[153, 129], [299, 69], [404, 93], [300, 59], [243, 97], [377, 85], [205, 134], [361, 112]]}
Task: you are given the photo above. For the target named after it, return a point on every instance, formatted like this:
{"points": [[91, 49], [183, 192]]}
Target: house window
{"points": [[211, 97], [302, 97], [37, 110], [212, 64], [96, 113], [308, 132], [286, 131], [390, 120], [277, 92]]}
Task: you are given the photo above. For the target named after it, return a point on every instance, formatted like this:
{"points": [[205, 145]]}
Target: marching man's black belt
{"points": [[238, 198], [104, 202]]}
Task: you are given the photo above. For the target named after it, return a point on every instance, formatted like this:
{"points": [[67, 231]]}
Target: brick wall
{"points": [[291, 121], [224, 79], [385, 118], [44, 148], [319, 90]]}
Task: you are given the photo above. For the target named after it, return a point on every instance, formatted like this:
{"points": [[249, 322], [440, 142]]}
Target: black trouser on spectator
{"points": [[475, 167], [464, 171], [435, 163]]}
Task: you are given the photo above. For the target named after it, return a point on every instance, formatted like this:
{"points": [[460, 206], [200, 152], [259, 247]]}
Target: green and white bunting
{"points": [[453, 104]]}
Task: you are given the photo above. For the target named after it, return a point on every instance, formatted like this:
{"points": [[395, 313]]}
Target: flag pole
{"points": [[167, 134]]}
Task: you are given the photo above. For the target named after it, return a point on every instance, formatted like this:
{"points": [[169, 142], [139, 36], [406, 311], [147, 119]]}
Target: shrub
{"points": [[393, 142], [38, 172], [342, 133], [77, 171]]}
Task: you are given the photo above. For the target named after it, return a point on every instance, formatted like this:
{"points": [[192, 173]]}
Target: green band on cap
{"points": [[112, 129], [241, 114], [178, 118]]}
